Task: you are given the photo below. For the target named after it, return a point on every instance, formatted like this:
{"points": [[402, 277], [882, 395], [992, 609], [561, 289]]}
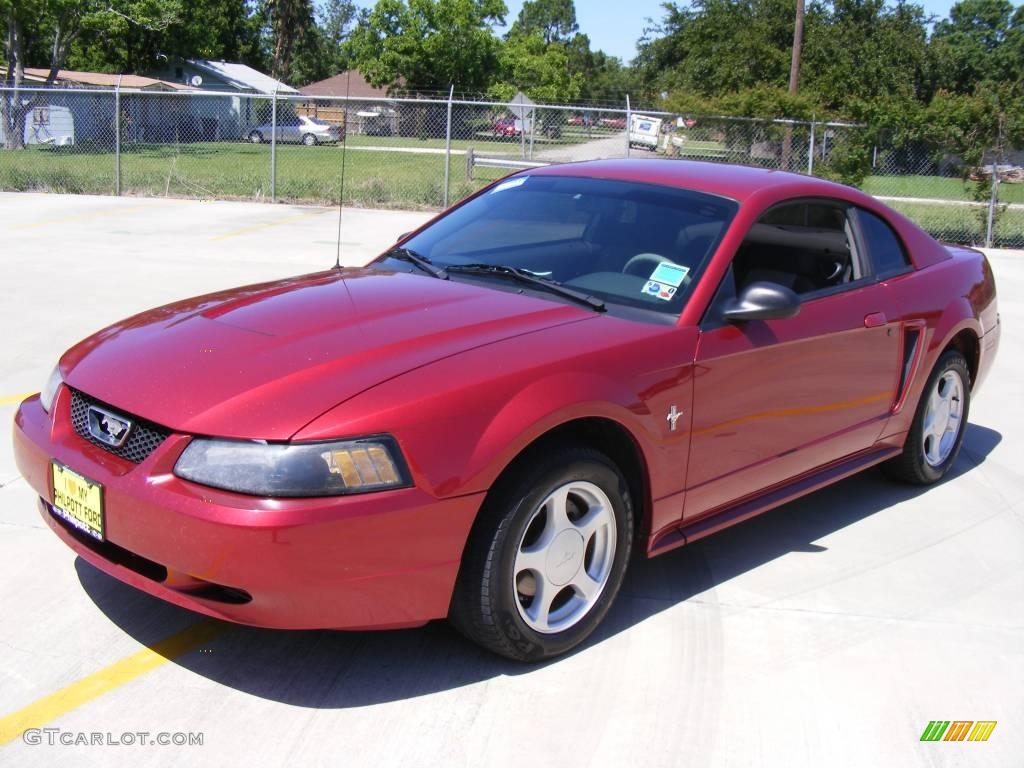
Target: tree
{"points": [[979, 42], [863, 50], [720, 46], [554, 20], [852, 51], [322, 52], [543, 54], [290, 23], [539, 69], [429, 44], [141, 37], [215, 29], [45, 30], [335, 18], [603, 77]]}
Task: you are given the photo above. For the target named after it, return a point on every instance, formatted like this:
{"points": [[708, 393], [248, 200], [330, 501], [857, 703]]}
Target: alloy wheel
{"points": [[943, 418], [565, 557]]}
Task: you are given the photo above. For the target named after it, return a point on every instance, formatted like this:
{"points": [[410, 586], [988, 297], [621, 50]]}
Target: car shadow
{"points": [[328, 670]]}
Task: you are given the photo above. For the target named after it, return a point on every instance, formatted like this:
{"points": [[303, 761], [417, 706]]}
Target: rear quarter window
{"points": [[885, 250]]}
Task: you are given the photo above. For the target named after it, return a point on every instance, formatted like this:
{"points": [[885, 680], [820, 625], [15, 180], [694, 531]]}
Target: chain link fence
{"points": [[954, 203], [430, 152]]}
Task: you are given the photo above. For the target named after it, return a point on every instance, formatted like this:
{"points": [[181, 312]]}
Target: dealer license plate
{"points": [[78, 500]]}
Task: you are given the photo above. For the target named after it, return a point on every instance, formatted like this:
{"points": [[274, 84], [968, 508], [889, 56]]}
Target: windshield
{"points": [[626, 243]]}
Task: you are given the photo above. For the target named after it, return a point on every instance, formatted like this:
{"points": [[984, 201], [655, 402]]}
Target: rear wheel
{"points": [[546, 557], [937, 432], [309, 140], [256, 137]]}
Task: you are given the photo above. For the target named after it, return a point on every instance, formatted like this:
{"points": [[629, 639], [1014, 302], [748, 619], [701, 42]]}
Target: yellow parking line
{"points": [[268, 224], [15, 398], [49, 708], [95, 214]]}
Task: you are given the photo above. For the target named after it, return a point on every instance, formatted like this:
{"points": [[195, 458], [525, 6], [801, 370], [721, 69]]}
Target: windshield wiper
{"points": [[407, 254], [525, 276]]}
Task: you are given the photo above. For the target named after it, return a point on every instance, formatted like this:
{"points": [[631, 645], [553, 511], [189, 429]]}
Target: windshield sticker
{"points": [[510, 184], [669, 274], [660, 290]]}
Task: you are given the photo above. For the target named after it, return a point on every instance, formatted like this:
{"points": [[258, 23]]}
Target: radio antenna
{"points": [[344, 151]]}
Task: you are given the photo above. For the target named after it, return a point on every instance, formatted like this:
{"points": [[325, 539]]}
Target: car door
{"points": [[288, 129], [776, 399]]}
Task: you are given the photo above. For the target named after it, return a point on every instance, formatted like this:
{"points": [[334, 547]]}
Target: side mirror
{"points": [[762, 301], [402, 236]]}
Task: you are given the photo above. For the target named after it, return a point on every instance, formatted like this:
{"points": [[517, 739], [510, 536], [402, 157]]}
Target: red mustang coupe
{"points": [[484, 422]]}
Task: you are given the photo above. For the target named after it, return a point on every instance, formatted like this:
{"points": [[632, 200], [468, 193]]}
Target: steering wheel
{"points": [[652, 260]]}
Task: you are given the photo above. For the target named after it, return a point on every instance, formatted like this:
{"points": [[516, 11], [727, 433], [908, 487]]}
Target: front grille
{"points": [[142, 440]]}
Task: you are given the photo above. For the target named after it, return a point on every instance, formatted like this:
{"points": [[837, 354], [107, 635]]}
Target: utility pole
{"points": [[798, 44], [794, 77]]}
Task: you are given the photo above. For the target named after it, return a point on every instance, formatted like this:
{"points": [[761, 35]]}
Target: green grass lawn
{"points": [[392, 179], [242, 171], [965, 224], [933, 187], [484, 141]]}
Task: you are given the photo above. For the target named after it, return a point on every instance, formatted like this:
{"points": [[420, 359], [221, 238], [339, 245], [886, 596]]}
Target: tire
{"points": [[256, 137], [309, 140], [926, 458], [580, 557]]}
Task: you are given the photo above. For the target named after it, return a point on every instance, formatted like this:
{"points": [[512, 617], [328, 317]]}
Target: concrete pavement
{"points": [[828, 632]]}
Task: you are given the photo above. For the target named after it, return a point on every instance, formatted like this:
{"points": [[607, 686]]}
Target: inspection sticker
{"points": [[668, 273], [662, 291]]}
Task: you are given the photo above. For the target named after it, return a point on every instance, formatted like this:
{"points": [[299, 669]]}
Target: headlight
{"points": [[294, 469], [49, 392]]}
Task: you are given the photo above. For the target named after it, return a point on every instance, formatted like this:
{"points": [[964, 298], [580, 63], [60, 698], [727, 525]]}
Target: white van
{"points": [[644, 131]]}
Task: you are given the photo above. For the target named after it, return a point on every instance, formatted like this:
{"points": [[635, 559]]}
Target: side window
{"points": [[883, 246], [809, 214], [804, 246]]}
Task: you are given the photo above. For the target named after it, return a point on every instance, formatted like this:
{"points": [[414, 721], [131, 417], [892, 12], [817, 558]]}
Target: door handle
{"points": [[875, 320]]}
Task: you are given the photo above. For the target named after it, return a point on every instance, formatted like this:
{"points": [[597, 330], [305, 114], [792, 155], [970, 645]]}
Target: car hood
{"points": [[262, 361]]}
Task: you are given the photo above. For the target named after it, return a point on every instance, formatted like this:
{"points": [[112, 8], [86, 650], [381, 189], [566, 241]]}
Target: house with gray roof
{"points": [[243, 105]]}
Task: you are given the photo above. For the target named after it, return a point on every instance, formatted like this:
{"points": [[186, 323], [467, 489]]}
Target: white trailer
{"points": [[47, 124], [644, 131]]}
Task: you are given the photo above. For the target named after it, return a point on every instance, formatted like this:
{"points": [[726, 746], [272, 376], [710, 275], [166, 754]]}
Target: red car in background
{"points": [[577, 362], [505, 127]]}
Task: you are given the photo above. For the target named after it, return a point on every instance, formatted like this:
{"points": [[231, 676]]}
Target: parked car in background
{"points": [[484, 423], [298, 129], [505, 127], [613, 122]]}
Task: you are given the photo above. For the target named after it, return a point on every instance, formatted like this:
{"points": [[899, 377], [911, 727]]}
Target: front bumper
{"points": [[377, 560]]}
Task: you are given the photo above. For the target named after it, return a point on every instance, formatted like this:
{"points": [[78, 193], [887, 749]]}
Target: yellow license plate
{"points": [[78, 500]]}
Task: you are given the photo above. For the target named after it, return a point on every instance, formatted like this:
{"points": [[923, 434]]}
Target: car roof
{"points": [[737, 182]]}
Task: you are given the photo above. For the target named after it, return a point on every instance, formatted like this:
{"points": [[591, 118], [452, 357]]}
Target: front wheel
{"points": [[309, 140], [937, 432], [256, 137], [546, 557]]}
